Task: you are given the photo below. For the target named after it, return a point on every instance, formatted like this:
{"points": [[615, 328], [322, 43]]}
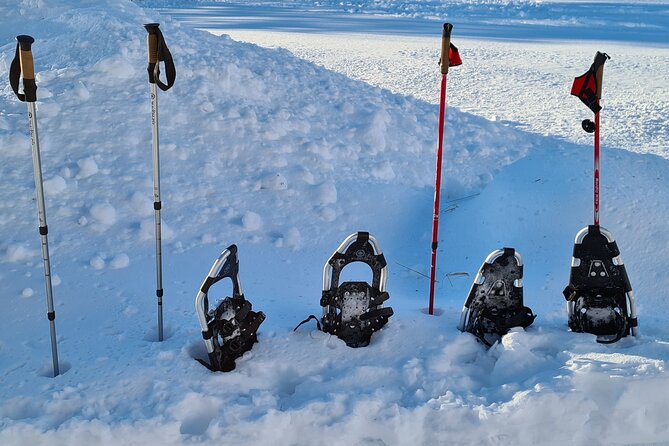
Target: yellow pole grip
{"points": [[27, 65], [26, 56]]}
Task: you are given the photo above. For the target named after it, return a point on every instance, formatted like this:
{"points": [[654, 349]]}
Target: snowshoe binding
{"points": [[353, 311], [495, 300], [599, 296], [229, 330]]}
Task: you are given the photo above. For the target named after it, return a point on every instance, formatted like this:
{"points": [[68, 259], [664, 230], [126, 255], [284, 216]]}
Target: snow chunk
{"points": [[18, 253], [97, 262], [20, 408], [27, 292], [115, 67], [274, 182], [87, 167], [104, 214], [384, 171], [328, 214], [82, 92], [251, 221], [48, 110], [141, 204], [55, 185], [293, 239], [377, 131], [120, 261], [147, 230], [195, 412], [327, 193]]}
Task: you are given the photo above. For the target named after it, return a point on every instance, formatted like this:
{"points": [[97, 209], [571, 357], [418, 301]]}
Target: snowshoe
{"points": [[353, 311], [229, 330], [599, 296], [495, 300]]}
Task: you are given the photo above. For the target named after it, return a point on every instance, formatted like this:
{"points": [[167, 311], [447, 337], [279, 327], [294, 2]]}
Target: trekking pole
{"points": [[158, 52], [449, 58], [599, 74], [588, 88], [23, 66]]}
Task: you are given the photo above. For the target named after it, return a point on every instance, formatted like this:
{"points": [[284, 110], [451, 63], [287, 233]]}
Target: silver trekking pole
{"points": [[23, 66], [158, 52]]}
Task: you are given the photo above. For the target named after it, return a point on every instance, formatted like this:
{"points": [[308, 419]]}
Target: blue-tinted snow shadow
{"points": [[588, 21]]}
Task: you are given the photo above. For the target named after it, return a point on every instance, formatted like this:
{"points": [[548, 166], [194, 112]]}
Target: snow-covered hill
{"points": [[285, 159]]}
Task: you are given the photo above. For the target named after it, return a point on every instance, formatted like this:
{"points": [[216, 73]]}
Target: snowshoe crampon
{"points": [[495, 300], [353, 311], [599, 296], [229, 330]]}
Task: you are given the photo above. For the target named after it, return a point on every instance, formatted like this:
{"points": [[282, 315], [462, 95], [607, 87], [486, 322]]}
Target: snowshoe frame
{"points": [[610, 279], [353, 311], [474, 307], [230, 329]]}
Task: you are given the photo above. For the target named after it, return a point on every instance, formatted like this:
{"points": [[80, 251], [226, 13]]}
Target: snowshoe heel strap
{"points": [[523, 318], [206, 364], [311, 317], [253, 322], [378, 298], [569, 293], [384, 312]]}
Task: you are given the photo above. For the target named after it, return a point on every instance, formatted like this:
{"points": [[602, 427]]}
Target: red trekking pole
{"points": [[449, 58], [588, 88]]}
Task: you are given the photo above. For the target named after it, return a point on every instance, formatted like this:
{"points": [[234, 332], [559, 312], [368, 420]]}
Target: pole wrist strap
{"points": [[165, 56]]}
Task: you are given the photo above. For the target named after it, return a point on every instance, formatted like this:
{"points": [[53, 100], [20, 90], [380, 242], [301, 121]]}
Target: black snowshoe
{"points": [[495, 301], [230, 329], [599, 295], [353, 311]]}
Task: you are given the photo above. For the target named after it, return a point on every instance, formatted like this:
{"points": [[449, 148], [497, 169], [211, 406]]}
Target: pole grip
{"points": [[598, 64], [23, 66], [26, 57], [445, 45], [152, 41], [599, 76]]}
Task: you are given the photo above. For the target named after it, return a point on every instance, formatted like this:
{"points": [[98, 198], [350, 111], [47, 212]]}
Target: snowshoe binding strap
{"points": [[353, 311], [158, 52], [229, 330], [599, 296], [495, 301]]}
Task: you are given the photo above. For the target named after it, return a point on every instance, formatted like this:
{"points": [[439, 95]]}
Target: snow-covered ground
{"points": [[518, 63], [286, 158]]}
